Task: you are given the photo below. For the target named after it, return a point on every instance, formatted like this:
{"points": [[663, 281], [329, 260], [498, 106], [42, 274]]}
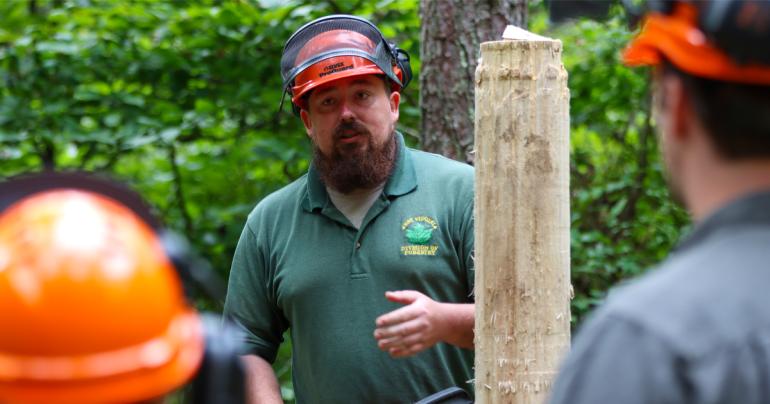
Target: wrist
{"points": [[444, 324]]}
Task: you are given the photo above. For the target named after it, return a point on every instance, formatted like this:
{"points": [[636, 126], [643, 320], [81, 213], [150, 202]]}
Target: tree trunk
{"points": [[452, 31], [522, 219]]}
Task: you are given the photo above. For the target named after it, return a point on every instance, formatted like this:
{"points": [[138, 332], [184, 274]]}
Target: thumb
{"points": [[403, 296]]}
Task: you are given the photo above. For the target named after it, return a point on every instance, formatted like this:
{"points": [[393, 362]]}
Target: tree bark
{"points": [[451, 33], [522, 219]]}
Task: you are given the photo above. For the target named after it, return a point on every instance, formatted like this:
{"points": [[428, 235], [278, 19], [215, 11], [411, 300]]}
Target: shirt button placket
{"points": [[357, 268]]}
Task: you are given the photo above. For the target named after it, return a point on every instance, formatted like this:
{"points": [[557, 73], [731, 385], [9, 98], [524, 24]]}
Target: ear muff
{"points": [[195, 272], [402, 64], [221, 376]]}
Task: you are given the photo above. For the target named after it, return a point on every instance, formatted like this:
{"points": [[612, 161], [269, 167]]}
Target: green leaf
{"points": [[419, 233]]}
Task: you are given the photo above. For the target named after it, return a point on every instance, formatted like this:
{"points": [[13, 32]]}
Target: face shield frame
{"points": [[372, 54]]}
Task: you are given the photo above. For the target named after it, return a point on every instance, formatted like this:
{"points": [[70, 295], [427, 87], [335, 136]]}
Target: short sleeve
{"points": [[614, 360], [250, 302]]}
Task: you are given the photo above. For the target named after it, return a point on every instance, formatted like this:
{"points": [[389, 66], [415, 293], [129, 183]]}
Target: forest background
{"points": [[180, 100]]}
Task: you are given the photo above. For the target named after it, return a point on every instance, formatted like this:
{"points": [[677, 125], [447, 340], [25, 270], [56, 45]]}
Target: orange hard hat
{"points": [[335, 47], [335, 67], [677, 38], [91, 309]]}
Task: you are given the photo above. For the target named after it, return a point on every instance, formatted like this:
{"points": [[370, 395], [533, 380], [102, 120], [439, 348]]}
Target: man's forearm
{"points": [[261, 385], [459, 322]]}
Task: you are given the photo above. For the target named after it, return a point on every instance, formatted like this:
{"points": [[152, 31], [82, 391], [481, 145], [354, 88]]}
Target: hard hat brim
{"points": [[329, 70], [152, 380]]}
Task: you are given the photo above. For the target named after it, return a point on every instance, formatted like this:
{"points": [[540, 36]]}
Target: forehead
{"points": [[355, 81]]}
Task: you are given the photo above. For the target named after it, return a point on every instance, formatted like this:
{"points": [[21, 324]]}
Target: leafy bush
{"points": [[623, 219]]}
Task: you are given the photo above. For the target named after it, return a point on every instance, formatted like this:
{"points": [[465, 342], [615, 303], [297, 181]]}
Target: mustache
{"points": [[348, 128]]}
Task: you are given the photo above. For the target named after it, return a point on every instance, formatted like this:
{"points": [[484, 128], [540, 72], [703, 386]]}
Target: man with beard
{"points": [[367, 259], [697, 329]]}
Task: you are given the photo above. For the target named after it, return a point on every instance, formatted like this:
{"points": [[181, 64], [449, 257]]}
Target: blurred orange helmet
{"points": [[676, 34], [339, 46], [91, 310]]}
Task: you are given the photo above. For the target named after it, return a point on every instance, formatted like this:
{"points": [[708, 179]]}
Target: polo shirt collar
{"points": [[750, 210], [402, 181]]}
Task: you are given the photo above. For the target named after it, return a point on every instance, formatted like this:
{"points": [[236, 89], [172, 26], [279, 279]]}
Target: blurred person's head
{"points": [[92, 308], [711, 86]]}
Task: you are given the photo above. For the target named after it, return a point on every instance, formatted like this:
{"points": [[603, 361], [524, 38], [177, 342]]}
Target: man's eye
{"points": [[363, 95], [327, 101]]}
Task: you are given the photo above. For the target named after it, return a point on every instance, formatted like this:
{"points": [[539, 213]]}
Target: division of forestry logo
{"points": [[418, 232]]}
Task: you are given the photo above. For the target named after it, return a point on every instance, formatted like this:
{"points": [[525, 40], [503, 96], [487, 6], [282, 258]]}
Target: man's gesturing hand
{"points": [[412, 328]]}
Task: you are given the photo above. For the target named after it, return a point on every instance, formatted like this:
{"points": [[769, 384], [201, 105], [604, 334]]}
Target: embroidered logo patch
{"points": [[418, 231]]}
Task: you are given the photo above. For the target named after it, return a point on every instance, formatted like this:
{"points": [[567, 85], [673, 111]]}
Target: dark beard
{"points": [[353, 168]]}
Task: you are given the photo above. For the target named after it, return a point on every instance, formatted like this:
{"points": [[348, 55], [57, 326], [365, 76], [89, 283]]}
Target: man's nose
{"points": [[346, 113]]}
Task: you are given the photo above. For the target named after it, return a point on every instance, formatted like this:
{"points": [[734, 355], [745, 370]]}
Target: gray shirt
{"points": [[695, 330], [354, 205]]}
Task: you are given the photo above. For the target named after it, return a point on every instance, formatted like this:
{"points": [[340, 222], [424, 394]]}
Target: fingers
{"points": [[401, 342], [398, 316], [399, 347], [409, 312], [403, 296], [400, 330], [405, 331]]}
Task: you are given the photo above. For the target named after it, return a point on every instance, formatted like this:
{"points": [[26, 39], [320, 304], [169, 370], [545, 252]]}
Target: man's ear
{"points": [[395, 99], [678, 107], [305, 116]]}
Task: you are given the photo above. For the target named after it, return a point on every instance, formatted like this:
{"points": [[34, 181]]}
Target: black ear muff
{"points": [[194, 271], [402, 61], [221, 375], [295, 109]]}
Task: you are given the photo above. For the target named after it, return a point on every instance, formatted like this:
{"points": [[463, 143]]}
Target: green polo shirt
{"points": [[301, 265]]}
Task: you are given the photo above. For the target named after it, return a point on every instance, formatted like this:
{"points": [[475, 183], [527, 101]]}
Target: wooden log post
{"points": [[522, 218]]}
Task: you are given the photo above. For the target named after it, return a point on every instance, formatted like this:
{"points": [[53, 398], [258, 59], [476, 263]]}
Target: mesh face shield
{"points": [[334, 47]]}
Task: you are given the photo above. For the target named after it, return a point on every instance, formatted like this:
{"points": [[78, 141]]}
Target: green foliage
{"points": [[180, 99], [623, 218]]}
